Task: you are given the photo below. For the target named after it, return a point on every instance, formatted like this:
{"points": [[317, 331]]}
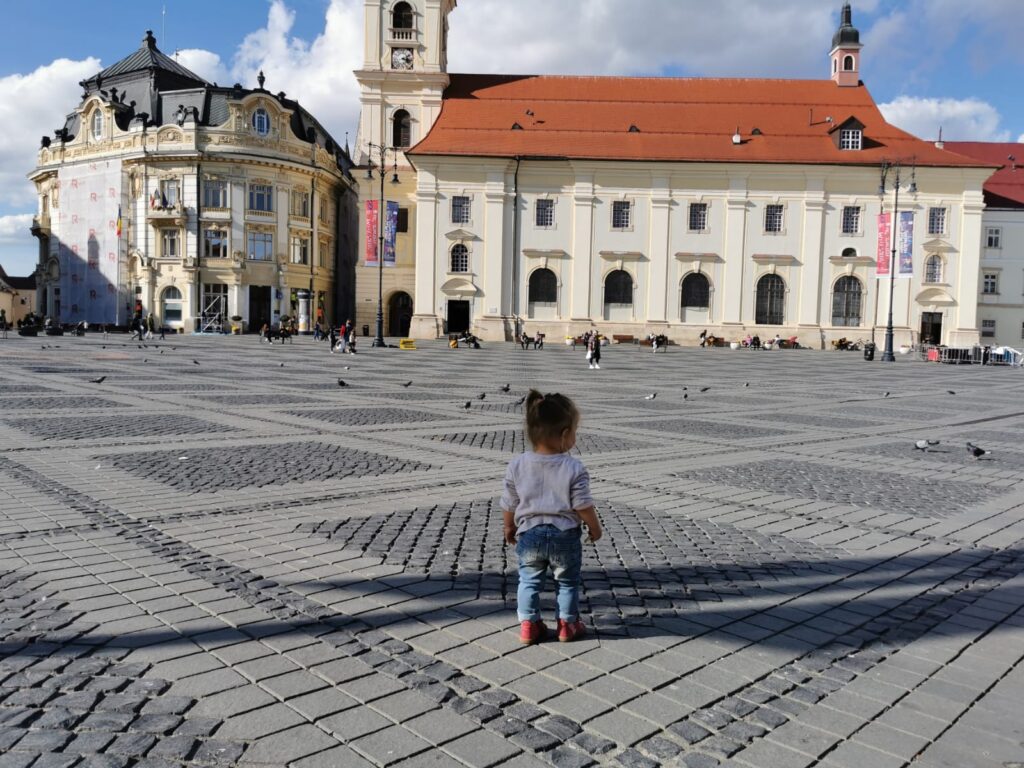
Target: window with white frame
{"points": [[300, 250], [460, 258], [215, 194], [300, 204], [988, 329], [622, 214], [460, 209], [97, 124], [544, 213], [261, 198], [698, 217], [936, 221], [169, 243], [261, 121], [260, 246], [851, 219], [993, 237], [851, 138], [215, 243], [773, 217], [990, 283], [933, 269], [169, 193]]}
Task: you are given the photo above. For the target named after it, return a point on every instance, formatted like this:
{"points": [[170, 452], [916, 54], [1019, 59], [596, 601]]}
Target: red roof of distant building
{"points": [[672, 120], [1005, 188]]}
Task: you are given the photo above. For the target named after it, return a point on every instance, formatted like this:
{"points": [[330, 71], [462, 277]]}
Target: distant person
{"points": [[594, 350], [3, 323]]}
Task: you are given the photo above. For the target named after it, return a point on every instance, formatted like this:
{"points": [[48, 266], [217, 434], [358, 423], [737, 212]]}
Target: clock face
{"points": [[401, 58]]}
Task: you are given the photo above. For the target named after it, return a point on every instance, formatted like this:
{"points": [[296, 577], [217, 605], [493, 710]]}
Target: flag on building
{"points": [[119, 222]]}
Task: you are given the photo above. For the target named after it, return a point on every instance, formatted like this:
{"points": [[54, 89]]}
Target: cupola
{"points": [[845, 54]]}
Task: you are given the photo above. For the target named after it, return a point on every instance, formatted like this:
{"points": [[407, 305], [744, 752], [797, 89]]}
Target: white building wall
{"points": [[1006, 308]]}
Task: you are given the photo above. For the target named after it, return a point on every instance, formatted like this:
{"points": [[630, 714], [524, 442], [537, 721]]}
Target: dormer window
{"points": [[261, 122], [851, 138], [97, 124]]}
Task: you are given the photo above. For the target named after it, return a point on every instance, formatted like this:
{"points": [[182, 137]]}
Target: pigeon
{"points": [[886, 394], [468, 405], [521, 400], [341, 383], [139, 346], [347, 367], [104, 346], [282, 365], [406, 385], [100, 380], [684, 389], [195, 362], [975, 451], [145, 360], [161, 351], [950, 392], [924, 445], [685, 396], [704, 389], [506, 388], [481, 396], [746, 384], [651, 396]]}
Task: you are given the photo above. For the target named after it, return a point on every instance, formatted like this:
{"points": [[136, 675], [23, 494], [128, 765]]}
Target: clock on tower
{"points": [[401, 58]]}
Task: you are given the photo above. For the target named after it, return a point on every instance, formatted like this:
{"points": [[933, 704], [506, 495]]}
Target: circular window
{"points": [[261, 121]]}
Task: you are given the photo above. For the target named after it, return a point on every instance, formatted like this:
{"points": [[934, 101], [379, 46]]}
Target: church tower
{"points": [[846, 51], [404, 73]]}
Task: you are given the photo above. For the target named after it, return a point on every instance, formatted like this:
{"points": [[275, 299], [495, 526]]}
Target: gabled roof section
{"points": [[1005, 188], [677, 120], [148, 57], [17, 283]]}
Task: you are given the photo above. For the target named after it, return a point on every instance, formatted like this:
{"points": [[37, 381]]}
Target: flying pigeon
{"points": [[100, 380], [521, 400], [506, 388], [704, 389], [481, 396], [924, 445], [975, 451], [468, 405], [407, 384], [341, 383], [746, 384], [950, 392], [651, 396], [196, 362], [684, 389], [886, 394]]}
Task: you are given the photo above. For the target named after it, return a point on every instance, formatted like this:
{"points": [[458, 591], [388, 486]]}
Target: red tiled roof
{"points": [[677, 119], [1005, 188]]}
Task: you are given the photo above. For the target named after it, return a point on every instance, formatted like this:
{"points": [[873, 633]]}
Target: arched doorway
{"points": [[399, 314], [618, 296], [542, 301], [771, 298], [695, 298]]}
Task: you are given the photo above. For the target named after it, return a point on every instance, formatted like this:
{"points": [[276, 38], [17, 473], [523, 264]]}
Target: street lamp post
{"points": [[894, 168], [382, 153]]}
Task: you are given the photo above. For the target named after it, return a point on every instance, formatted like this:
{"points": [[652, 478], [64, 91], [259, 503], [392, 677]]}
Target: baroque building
{"points": [[166, 194], [653, 205]]}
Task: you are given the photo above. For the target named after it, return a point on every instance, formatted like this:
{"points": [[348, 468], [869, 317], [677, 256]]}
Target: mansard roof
{"points": [[1004, 188], [666, 119]]}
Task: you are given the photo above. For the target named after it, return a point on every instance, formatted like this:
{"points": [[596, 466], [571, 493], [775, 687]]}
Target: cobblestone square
{"points": [[219, 556]]}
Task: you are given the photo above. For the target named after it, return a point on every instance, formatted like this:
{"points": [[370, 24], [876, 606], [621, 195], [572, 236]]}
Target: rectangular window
{"points": [[936, 221], [622, 211], [403, 220], [460, 210], [990, 284], [988, 329], [993, 237], [261, 246], [698, 217], [215, 194], [300, 250], [851, 219], [215, 244], [169, 243], [325, 208], [168, 193], [261, 198], [324, 254], [544, 213], [851, 138], [300, 204], [773, 218]]}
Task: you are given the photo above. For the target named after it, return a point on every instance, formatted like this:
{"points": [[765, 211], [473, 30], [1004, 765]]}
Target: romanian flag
{"points": [[119, 221]]}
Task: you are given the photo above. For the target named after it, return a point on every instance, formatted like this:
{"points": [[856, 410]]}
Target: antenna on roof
{"points": [[940, 144], [163, 24], [1013, 162]]}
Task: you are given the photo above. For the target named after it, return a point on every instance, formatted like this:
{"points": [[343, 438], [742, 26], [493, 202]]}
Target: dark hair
{"points": [[548, 417]]}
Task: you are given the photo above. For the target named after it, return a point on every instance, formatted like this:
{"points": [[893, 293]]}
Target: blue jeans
{"points": [[538, 549]]}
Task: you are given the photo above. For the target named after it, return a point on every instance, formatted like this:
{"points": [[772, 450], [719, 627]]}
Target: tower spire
{"points": [[845, 55]]}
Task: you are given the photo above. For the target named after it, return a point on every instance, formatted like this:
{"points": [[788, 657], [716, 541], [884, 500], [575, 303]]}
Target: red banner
{"points": [[884, 245], [372, 220]]}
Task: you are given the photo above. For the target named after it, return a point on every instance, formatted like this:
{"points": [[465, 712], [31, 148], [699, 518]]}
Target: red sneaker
{"points": [[531, 632], [570, 630]]}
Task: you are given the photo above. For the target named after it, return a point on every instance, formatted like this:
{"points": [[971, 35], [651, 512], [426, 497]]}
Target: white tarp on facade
{"points": [[89, 246]]}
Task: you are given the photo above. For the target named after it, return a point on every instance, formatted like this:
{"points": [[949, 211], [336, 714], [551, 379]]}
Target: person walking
{"points": [[150, 325], [332, 337], [545, 501], [3, 323], [594, 350]]}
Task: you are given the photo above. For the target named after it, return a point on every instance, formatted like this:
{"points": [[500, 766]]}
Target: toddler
{"points": [[546, 498]]}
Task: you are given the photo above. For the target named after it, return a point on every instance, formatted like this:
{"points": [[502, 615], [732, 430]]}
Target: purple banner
{"points": [[390, 233], [906, 246]]}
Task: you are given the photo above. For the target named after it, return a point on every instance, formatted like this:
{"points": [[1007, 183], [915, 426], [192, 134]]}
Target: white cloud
{"points": [[960, 119], [20, 250], [206, 64]]}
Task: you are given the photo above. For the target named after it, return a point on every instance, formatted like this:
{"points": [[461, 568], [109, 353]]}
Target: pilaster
{"points": [[734, 251], [809, 310], [582, 249], [657, 288]]}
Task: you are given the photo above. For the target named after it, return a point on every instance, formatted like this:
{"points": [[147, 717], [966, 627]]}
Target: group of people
{"points": [[592, 341], [525, 340], [342, 339], [143, 327]]}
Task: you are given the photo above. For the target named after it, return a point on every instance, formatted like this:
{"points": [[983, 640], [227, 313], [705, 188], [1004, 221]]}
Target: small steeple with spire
{"points": [[845, 55]]}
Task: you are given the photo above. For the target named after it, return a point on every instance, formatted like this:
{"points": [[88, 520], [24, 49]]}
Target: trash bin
{"points": [[869, 351], [366, 330]]}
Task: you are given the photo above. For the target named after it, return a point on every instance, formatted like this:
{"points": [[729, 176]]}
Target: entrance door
{"points": [[931, 327], [458, 316], [259, 307], [399, 314]]}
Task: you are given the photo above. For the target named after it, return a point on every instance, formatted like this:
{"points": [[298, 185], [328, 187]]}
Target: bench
{"points": [[622, 338]]}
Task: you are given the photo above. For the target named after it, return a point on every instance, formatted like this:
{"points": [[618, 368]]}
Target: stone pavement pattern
{"points": [[238, 562]]}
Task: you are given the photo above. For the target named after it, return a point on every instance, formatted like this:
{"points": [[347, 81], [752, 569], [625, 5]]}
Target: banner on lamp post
{"points": [[372, 221], [390, 233], [906, 245], [884, 245]]}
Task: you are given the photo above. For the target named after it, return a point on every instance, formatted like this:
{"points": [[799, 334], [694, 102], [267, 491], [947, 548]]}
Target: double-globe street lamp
{"points": [[381, 152], [894, 169]]}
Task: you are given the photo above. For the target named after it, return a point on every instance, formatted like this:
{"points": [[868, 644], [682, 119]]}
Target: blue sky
{"points": [[927, 62]]}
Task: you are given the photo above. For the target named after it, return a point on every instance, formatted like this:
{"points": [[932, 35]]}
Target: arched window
{"points": [[543, 287], [846, 302], [401, 129], [261, 121], [848, 64], [771, 298], [696, 291], [171, 305], [460, 258], [849, 253], [97, 124], [401, 16], [618, 288], [933, 269]]}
